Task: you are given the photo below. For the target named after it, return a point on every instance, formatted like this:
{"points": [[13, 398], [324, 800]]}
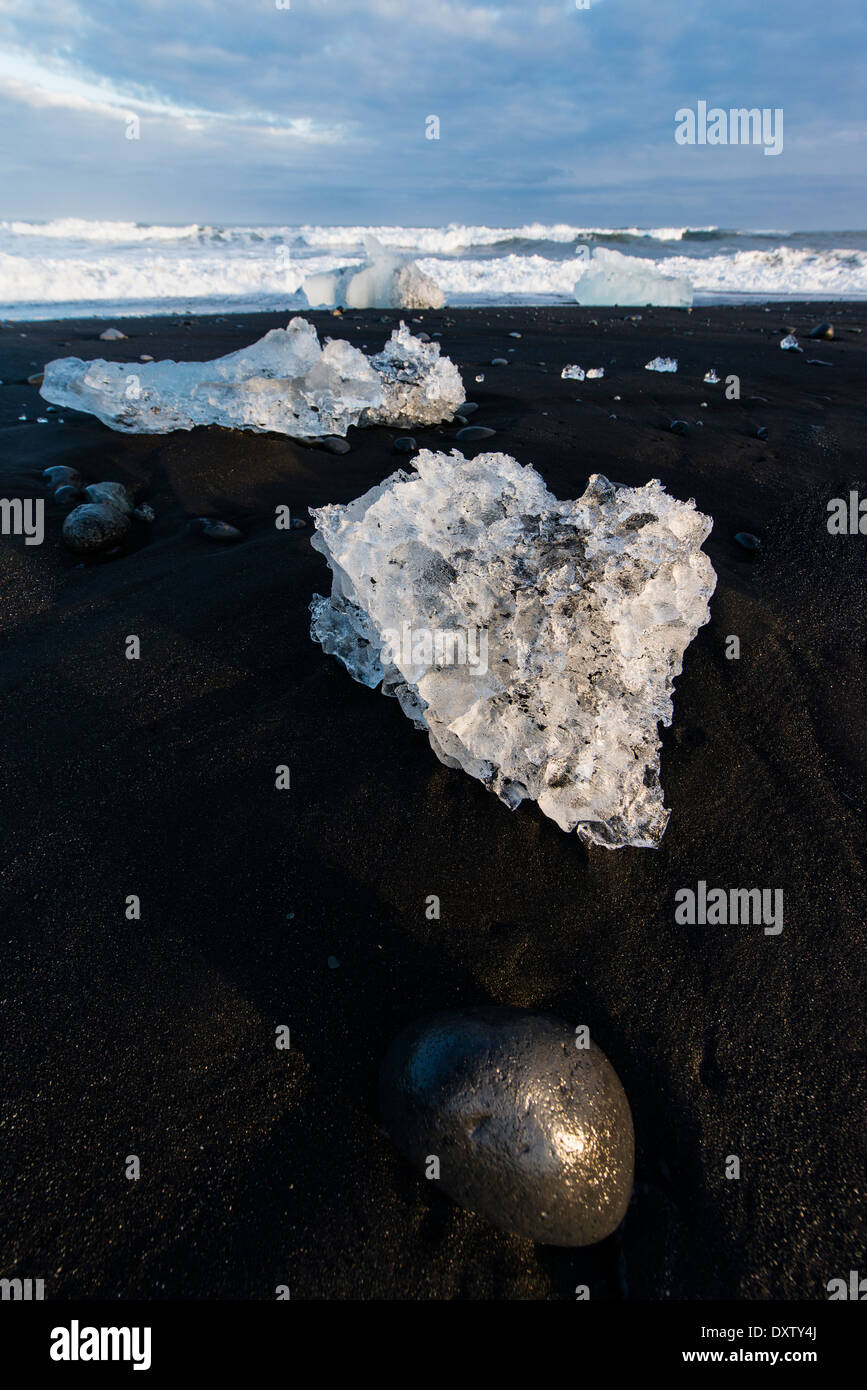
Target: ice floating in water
{"points": [[536, 641], [612, 278], [711, 378], [661, 364], [386, 282], [286, 383], [791, 344]]}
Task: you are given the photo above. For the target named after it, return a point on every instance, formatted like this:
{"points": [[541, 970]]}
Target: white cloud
{"points": [[40, 85]]}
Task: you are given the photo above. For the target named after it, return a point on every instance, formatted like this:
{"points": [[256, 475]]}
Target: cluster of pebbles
{"points": [[101, 515]]}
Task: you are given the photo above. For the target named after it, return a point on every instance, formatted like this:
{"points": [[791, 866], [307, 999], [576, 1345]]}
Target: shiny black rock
{"points": [[531, 1131]]}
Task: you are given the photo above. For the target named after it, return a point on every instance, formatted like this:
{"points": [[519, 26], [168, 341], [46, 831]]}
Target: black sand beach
{"points": [[155, 777]]}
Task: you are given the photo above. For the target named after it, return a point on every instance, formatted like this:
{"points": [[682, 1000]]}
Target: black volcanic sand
{"points": [[155, 777]]}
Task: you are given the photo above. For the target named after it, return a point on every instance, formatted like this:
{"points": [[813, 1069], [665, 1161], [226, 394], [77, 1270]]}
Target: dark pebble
{"points": [[94, 526], [822, 330], [499, 362], [748, 541], [59, 475], [473, 432], [335, 445], [679, 427], [215, 530], [112, 495], [531, 1132], [68, 496], [761, 432], [468, 407], [405, 444]]}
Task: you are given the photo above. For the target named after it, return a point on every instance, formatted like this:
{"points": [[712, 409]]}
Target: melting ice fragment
{"points": [[661, 364], [612, 278], [572, 373], [535, 641], [286, 383], [386, 282], [711, 377], [791, 344]]}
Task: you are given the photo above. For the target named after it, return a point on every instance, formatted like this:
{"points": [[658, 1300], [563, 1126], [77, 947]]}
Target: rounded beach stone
{"points": [[405, 444], [472, 432], [94, 526], [748, 540], [112, 495], [67, 495], [531, 1131], [221, 531], [61, 476]]}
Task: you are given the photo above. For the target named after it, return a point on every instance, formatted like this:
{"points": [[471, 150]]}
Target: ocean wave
{"points": [[454, 238], [125, 267]]}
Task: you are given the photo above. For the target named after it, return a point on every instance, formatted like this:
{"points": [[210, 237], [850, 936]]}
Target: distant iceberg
{"points": [[386, 282], [611, 278]]}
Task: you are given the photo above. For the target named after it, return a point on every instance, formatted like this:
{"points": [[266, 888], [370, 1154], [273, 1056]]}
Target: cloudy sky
{"points": [[293, 111]]}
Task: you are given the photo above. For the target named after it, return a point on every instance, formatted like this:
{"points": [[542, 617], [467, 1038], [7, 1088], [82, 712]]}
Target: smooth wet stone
{"points": [[113, 495], [762, 432], [68, 496], [335, 445], [532, 1133], [94, 526], [36, 380], [748, 540], [405, 444], [499, 362], [220, 531], [473, 432], [822, 330], [468, 407], [60, 475], [679, 427]]}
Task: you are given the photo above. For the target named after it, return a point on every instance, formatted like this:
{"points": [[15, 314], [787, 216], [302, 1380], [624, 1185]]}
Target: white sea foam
{"points": [[72, 267]]}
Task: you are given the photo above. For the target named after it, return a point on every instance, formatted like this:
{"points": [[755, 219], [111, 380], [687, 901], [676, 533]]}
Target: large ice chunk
{"points": [[536, 641], [612, 278], [286, 383], [387, 281]]}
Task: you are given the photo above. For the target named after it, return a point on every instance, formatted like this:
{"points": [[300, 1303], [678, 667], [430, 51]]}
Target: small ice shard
{"points": [[612, 278], [572, 373], [661, 364], [286, 383], [386, 282], [791, 344], [595, 373], [112, 335], [711, 378], [535, 641]]}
